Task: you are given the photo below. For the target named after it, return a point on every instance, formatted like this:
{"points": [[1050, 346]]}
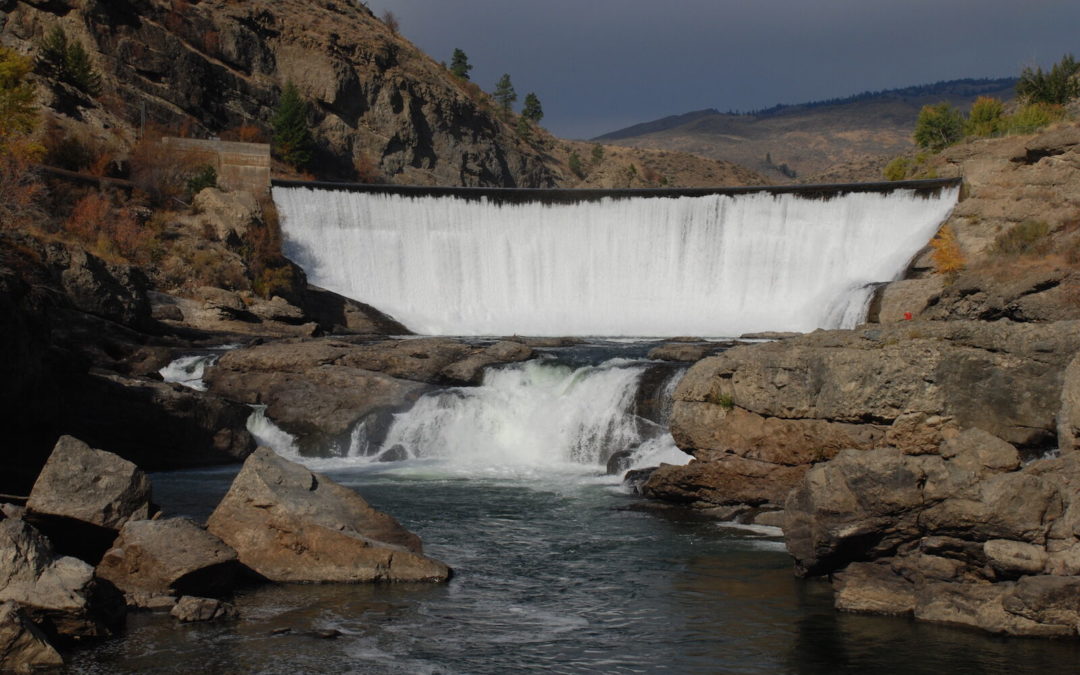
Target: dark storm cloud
{"points": [[599, 65]]}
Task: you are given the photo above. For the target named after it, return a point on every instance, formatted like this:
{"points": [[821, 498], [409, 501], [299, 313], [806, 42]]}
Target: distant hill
{"points": [[793, 142]]}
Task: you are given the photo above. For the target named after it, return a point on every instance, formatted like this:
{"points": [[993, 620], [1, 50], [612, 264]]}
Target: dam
{"points": [[616, 263]]}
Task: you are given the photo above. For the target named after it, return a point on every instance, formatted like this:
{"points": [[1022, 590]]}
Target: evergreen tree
{"points": [[524, 129], [69, 62], [532, 110], [1057, 86], [459, 64], [504, 92], [292, 141], [80, 71]]}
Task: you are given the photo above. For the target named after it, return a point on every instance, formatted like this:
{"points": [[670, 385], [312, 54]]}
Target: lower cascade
{"points": [[539, 415], [714, 265]]}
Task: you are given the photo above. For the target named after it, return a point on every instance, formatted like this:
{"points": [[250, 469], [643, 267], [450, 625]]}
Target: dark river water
{"points": [[557, 570]]}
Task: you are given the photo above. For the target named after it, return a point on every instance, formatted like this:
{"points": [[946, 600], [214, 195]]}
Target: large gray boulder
{"points": [[23, 646], [91, 486], [84, 496], [60, 593], [289, 524], [169, 556]]}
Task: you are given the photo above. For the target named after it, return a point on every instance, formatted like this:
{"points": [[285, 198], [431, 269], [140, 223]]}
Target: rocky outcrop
{"points": [[167, 426], [1068, 417], [288, 524], [968, 536], [84, 496], [378, 103], [1025, 185], [59, 594], [757, 417], [167, 557], [319, 390], [23, 647]]}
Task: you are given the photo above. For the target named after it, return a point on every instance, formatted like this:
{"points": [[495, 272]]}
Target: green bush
{"points": [[204, 177], [1032, 117], [939, 126], [898, 168], [1057, 86], [575, 165], [987, 117], [1022, 239]]}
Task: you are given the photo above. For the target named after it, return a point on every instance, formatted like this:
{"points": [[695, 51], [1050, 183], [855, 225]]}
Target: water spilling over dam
{"points": [[615, 263]]}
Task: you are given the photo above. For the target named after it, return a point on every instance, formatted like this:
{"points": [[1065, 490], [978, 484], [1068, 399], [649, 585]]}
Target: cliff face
{"points": [[213, 65]]}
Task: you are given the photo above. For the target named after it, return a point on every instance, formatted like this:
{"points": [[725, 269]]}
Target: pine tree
{"points": [[532, 110], [504, 92], [69, 61], [292, 138], [459, 64]]}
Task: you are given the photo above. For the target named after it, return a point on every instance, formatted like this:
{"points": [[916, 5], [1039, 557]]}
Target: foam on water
{"points": [[708, 265]]}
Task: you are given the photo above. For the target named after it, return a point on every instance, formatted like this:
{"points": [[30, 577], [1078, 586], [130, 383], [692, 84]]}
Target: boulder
{"points": [[1068, 419], [166, 425], [23, 646], [168, 556], [289, 524], [894, 301], [873, 588], [190, 609], [59, 593], [84, 496], [470, 370], [730, 480]]}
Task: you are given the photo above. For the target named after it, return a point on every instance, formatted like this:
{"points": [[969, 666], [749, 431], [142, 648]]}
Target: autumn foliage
{"points": [[947, 256]]}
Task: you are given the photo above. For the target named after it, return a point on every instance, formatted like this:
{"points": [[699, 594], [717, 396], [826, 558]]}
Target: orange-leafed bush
{"points": [[947, 257], [90, 217], [247, 133], [366, 170], [161, 171], [109, 229], [21, 188]]}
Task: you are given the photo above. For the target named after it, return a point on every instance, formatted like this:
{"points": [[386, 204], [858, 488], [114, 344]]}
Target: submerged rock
{"points": [[190, 609], [289, 524]]}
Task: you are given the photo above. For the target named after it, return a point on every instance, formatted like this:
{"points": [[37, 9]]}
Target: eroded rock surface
{"points": [[289, 524], [776, 409], [968, 536], [169, 556], [84, 496], [24, 648]]}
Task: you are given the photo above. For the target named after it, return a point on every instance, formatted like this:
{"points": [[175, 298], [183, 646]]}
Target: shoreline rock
{"points": [[291, 525]]}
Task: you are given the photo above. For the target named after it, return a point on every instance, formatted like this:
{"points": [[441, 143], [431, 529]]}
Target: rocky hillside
{"points": [[797, 142], [381, 109]]}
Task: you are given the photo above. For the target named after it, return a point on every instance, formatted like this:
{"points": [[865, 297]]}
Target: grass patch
{"points": [[1026, 238]]}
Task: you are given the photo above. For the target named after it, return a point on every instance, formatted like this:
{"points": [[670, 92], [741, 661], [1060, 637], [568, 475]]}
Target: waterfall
{"points": [[713, 264], [538, 414]]}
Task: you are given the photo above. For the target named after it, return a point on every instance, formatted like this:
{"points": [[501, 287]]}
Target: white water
{"points": [[529, 417], [189, 370], [714, 265]]}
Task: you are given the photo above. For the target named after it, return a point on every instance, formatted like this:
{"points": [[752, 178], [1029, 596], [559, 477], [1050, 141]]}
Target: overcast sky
{"points": [[600, 65]]}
